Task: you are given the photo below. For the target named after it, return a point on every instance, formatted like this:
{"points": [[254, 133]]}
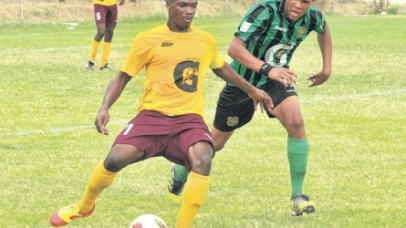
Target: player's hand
{"points": [[283, 75], [261, 97], [121, 2], [101, 121], [317, 78]]}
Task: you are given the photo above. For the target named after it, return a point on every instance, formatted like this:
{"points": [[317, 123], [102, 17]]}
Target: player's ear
{"points": [[169, 2]]}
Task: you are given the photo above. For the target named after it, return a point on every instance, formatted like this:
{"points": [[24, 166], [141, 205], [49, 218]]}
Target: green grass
{"points": [[355, 122]]}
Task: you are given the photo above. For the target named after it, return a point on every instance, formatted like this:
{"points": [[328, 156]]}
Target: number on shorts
{"points": [[128, 129], [98, 17]]}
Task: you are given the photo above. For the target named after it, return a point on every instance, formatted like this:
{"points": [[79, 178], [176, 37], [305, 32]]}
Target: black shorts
{"points": [[235, 108]]}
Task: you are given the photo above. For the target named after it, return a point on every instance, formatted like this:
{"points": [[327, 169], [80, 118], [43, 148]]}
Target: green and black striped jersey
{"points": [[272, 37]]}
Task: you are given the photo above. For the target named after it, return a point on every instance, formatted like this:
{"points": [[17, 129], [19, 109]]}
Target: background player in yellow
{"points": [[105, 15], [170, 121]]}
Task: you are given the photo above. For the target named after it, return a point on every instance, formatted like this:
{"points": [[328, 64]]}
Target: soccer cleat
{"points": [[89, 66], [300, 204], [175, 185], [105, 67], [67, 214]]}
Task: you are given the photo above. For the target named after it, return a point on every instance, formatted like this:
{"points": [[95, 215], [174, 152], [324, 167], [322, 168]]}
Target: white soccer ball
{"points": [[148, 221]]}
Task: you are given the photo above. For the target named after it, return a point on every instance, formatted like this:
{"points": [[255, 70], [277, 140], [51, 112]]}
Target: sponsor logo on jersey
{"points": [[232, 121], [245, 26], [166, 44]]}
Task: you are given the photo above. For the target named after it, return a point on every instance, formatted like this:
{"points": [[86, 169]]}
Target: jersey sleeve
{"points": [[317, 20], [253, 23], [137, 57], [217, 61]]}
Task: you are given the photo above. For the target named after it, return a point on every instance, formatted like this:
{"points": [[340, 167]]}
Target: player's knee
{"points": [[112, 164], [101, 33], [201, 164], [114, 161], [296, 122]]}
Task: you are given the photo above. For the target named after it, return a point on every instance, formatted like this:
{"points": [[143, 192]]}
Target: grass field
{"points": [[356, 125]]}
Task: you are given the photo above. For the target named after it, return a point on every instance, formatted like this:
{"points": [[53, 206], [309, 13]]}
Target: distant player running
{"points": [[262, 49]]}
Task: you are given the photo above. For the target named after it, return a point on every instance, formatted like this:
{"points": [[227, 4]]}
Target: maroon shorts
{"points": [[106, 15], [168, 136]]}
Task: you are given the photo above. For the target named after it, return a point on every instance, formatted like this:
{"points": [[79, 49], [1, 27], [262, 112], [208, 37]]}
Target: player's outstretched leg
{"points": [[300, 204]]}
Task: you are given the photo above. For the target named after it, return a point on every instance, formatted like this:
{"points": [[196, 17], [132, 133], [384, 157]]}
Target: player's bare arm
{"points": [[228, 74], [113, 92], [325, 44], [239, 52]]}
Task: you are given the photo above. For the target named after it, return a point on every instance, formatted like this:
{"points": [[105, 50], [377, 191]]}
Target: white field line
{"points": [[51, 49], [354, 96], [57, 130]]}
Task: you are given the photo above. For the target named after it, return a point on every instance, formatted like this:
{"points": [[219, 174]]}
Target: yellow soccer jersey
{"points": [[105, 2], [176, 66]]}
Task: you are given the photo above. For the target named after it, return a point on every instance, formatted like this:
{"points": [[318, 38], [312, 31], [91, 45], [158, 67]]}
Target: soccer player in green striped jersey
{"points": [[262, 49]]}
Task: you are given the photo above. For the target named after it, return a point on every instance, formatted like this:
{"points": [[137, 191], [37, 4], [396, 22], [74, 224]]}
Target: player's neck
{"points": [[176, 28]]}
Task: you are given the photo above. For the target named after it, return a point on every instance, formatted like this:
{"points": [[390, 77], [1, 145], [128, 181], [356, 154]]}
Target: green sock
{"points": [[181, 173], [297, 156]]}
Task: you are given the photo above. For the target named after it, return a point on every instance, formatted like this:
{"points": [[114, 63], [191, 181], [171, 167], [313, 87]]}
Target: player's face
{"points": [[294, 9], [180, 14]]}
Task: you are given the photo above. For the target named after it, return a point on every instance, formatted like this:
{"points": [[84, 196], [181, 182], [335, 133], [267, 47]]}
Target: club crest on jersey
{"points": [[302, 30], [232, 121]]}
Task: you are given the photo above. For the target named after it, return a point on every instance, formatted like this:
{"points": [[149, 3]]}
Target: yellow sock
{"points": [[95, 47], [100, 179], [196, 190], [105, 53]]}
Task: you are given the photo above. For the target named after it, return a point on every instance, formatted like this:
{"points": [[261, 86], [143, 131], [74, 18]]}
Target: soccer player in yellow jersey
{"points": [[170, 121], [105, 15]]}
